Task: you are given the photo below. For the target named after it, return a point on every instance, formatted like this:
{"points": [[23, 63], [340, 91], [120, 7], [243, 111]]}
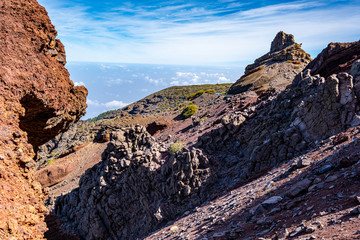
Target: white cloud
{"points": [[224, 79], [194, 34], [118, 81], [92, 103], [79, 83], [115, 104], [193, 78], [154, 81], [110, 105]]}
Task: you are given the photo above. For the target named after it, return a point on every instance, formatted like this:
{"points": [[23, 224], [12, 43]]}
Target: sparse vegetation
{"points": [[51, 161], [203, 119], [159, 102], [199, 93], [100, 116], [189, 110], [176, 147]]}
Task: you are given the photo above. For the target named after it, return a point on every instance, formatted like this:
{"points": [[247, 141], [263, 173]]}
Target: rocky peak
{"points": [[282, 40], [276, 69]]}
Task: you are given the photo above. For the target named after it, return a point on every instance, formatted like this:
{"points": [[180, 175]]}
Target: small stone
{"points": [[271, 202], [355, 211], [297, 231], [283, 234], [304, 162], [357, 198], [325, 169], [268, 185], [310, 229], [219, 235], [174, 229], [331, 178]]}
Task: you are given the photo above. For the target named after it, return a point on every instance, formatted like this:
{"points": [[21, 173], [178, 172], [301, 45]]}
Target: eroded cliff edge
{"points": [[37, 101]]}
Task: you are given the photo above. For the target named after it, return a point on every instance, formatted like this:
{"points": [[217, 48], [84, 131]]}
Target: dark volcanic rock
{"points": [[312, 108], [335, 58], [133, 190]]}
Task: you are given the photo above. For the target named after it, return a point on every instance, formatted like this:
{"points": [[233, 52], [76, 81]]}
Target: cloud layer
{"points": [[196, 32]]}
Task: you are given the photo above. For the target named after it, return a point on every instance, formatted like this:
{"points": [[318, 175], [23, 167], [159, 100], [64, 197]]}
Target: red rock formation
{"points": [[335, 58], [37, 101]]}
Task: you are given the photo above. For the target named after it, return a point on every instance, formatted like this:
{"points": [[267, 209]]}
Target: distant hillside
{"points": [[162, 101]]}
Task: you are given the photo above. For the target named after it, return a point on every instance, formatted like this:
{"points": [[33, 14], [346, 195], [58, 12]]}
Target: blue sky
{"points": [[196, 32]]}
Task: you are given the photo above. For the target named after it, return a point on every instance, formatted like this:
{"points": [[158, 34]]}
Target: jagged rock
{"points": [[355, 70], [126, 201], [282, 40], [335, 58], [37, 101], [275, 69]]}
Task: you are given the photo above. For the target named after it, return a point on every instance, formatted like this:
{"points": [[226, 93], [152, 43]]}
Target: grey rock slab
{"points": [[299, 188], [271, 202]]}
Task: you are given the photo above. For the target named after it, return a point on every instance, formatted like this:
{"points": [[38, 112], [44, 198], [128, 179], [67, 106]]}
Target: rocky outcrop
{"points": [[275, 69], [335, 58], [312, 108], [37, 101], [135, 189], [282, 40]]}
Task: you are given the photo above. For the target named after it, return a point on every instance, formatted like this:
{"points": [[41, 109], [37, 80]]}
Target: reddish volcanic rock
{"points": [[37, 101], [335, 58]]}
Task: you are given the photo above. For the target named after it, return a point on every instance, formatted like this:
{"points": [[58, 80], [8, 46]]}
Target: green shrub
{"points": [[176, 147], [199, 93], [51, 161], [210, 91], [189, 111], [195, 95]]}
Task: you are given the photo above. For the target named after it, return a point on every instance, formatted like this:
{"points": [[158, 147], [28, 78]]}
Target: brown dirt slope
{"points": [[37, 101]]}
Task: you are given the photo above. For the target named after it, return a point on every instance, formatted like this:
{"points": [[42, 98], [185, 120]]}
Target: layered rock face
{"points": [[312, 108], [37, 101], [335, 58], [275, 69], [134, 190]]}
